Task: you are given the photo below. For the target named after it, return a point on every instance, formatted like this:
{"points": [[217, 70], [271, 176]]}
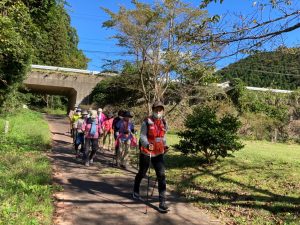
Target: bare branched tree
{"points": [[156, 35], [264, 26]]}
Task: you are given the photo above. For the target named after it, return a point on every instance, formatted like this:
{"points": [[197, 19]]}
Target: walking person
{"points": [[80, 134], [70, 116], [74, 120], [92, 131], [101, 118], [152, 149], [108, 131], [116, 133], [115, 122], [90, 112], [125, 138]]}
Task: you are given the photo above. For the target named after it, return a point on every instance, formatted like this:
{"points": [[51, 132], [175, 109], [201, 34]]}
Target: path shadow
{"points": [[114, 186], [60, 133], [61, 142], [262, 199]]}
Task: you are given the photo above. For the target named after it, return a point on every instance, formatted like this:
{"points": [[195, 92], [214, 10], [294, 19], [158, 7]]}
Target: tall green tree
{"points": [[15, 50], [34, 32], [57, 41]]}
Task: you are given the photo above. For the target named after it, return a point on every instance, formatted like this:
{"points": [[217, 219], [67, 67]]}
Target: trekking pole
{"points": [[153, 187], [148, 183], [137, 152]]}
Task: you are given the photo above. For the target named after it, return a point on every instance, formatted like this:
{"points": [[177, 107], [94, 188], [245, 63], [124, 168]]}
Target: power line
{"points": [[96, 39], [277, 67], [284, 74], [271, 72], [73, 13], [81, 40], [104, 52], [97, 43]]}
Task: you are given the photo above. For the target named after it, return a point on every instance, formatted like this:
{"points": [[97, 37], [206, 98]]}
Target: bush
{"points": [[207, 134]]}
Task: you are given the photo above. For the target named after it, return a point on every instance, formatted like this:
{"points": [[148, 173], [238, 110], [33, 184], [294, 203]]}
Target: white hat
{"points": [[94, 114], [100, 110]]}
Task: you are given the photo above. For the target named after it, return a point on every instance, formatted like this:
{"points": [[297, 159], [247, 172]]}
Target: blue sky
{"points": [[87, 18]]}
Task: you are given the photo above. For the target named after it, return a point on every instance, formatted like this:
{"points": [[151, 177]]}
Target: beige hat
{"points": [[94, 114], [100, 110]]}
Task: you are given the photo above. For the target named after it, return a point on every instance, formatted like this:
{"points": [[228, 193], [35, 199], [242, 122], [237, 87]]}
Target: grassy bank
{"points": [[25, 173], [259, 185]]}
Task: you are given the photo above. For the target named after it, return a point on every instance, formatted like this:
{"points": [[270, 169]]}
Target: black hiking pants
{"points": [[88, 142], [159, 167]]}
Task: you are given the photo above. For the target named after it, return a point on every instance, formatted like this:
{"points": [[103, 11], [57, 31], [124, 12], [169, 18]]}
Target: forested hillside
{"points": [[36, 32], [279, 69]]}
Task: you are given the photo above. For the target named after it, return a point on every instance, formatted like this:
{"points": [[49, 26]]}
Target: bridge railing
{"points": [[226, 86], [63, 69]]}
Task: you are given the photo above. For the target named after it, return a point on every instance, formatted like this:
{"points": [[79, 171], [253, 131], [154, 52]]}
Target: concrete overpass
{"points": [[75, 84]]}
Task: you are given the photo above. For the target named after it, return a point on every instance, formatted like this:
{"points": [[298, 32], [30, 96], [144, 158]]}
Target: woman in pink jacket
{"points": [[92, 130], [108, 131]]}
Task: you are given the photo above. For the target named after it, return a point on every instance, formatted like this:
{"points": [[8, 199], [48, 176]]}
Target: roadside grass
{"points": [[260, 184], [54, 111], [25, 172]]}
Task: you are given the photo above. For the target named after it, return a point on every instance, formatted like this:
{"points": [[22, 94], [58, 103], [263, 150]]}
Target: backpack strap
{"points": [[146, 120]]}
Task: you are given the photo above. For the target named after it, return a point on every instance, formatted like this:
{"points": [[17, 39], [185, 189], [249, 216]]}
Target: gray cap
{"points": [[158, 104]]}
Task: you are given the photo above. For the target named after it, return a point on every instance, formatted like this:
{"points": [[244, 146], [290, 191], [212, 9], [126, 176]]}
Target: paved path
{"points": [[101, 194]]}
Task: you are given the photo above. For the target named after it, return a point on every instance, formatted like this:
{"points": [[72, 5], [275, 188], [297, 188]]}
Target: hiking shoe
{"points": [[87, 163], [163, 207], [136, 195], [91, 161]]}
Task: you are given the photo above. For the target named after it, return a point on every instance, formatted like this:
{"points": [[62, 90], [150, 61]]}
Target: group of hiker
{"points": [[92, 129]]}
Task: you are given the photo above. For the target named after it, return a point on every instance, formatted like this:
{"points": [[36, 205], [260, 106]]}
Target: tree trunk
{"points": [[207, 155]]}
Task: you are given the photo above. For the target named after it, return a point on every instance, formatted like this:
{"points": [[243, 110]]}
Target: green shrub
{"points": [[209, 135]]}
